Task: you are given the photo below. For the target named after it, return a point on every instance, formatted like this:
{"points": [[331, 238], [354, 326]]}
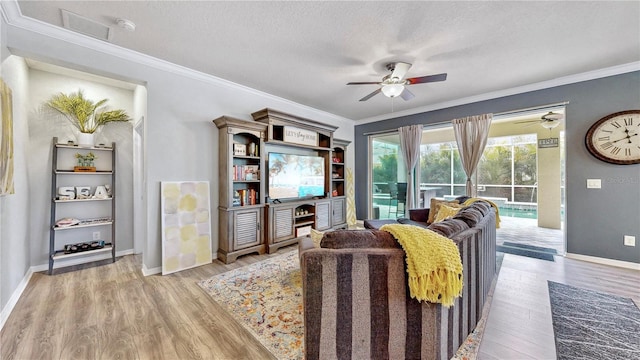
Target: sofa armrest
{"points": [[356, 296], [420, 215]]}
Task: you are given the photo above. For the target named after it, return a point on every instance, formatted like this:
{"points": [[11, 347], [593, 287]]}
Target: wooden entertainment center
{"points": [[250, 219]]}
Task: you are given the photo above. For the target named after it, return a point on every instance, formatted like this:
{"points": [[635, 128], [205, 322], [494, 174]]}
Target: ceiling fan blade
{"points": [[364, 83], [371, 95], [427, 79], [528, 121], [407, 95], [400, 70]]}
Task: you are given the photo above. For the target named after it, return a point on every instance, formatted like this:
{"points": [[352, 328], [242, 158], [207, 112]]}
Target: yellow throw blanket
{"points": [[472, 200], [433, 263]]}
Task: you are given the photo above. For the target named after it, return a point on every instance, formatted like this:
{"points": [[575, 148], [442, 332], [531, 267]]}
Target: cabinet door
{"points": [[246, 228], [323, 220], [282, 224], [339, 212]]}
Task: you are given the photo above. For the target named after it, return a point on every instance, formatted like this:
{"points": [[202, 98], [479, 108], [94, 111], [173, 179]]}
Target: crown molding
{"points": [[13, 16], [565, 80]]}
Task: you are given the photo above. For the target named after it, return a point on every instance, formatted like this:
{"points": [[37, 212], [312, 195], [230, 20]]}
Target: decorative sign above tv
{"points": [[296, 135]]}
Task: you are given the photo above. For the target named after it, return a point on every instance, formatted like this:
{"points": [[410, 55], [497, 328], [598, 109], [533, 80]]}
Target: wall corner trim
{"points": [[6, 311]]}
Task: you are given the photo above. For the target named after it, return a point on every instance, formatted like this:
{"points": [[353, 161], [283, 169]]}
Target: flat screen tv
{"points": [[295, 176]]}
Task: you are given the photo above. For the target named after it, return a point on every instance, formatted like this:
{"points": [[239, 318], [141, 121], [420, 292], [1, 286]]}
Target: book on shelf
{"points": [[245, 197], [246, 172]]}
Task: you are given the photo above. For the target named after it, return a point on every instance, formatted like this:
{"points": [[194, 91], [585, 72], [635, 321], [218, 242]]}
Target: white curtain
{"points": [[471, 136], [410, 139]]}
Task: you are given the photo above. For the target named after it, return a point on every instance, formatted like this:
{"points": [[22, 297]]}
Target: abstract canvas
{"points": [[186, 225], [6, 140]]}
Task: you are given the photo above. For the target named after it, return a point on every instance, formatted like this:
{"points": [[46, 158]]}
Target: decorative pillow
{"points": [[435, 205], [316, 236], [445, 212]]}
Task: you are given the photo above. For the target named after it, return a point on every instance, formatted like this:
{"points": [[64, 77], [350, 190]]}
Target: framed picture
{"points": [[240, 149]]}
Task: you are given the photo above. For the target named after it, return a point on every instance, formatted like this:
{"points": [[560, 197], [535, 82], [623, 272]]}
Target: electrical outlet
{"points": [[594, 183], [96, 235], [629, 240]]}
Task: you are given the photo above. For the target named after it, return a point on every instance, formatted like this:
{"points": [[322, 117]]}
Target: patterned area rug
{"points": [[266, 298], [592, 325]]}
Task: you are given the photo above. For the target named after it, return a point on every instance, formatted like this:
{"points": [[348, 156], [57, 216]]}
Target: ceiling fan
{"points": [[394, 84], [548, 121]]}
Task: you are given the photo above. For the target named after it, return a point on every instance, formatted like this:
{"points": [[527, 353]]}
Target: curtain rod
{"points": [[500, 114]]}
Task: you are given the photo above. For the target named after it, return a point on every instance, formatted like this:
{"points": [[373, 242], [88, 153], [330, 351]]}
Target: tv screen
{"points": [[295, 176]]}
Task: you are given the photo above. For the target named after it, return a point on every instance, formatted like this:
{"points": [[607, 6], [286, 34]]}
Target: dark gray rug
{"points": [[592, 325], [531, 247], [519, 250]]}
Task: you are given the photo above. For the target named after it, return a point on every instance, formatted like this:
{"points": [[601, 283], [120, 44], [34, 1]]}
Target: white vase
{"points": [[86, 139]]}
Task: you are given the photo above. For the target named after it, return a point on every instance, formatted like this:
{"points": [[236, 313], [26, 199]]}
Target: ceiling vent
{"points": [[85, 26]]}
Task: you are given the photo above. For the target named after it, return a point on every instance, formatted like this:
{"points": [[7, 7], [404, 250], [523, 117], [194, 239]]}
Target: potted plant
{"points": [[84, 114]]}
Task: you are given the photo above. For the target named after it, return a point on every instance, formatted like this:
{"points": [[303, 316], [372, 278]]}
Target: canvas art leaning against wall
{"points": [[186, 225], [6, 140]]}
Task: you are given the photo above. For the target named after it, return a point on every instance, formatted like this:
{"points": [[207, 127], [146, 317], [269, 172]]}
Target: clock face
{"points": [[616, 138]]}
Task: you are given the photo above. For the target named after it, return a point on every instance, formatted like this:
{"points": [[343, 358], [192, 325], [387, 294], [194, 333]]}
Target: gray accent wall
{"points": [[596, 219]]}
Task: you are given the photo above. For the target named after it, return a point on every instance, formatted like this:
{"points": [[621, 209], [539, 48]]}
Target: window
{"points": [[507, 169]]}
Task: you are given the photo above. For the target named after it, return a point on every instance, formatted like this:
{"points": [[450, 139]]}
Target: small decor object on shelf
{"points": [[239, 149], [64, 222], [84, 114], [85, 162]]}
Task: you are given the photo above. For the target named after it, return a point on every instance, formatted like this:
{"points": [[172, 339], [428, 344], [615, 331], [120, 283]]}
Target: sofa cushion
{"points": [[449, 227], [413, 222], [483, 206], [356, 239], [470, 215]]}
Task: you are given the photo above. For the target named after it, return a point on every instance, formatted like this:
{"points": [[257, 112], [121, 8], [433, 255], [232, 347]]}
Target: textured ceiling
{"points": [[307, 51]]}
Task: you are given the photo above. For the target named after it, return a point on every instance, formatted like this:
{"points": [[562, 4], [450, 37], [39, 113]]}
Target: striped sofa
{"points": [[355, 293]]}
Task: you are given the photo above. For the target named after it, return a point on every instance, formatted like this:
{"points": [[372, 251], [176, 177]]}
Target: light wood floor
{"points": [[113, 312], [519, 325]]}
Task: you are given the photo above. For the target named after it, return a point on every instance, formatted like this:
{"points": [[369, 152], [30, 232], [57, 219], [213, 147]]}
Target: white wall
{"points": [[180, 138], [44, 125], [14, 209]]}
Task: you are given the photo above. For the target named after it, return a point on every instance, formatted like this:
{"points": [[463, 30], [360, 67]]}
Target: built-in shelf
{"points": [[59, 255], [84, 224], [76, 200], [65, 179], [71, 172], [76, 146], [303, 223]]}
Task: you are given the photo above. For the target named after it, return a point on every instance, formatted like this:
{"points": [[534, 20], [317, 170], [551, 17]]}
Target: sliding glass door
{"points": [[387, 177]]}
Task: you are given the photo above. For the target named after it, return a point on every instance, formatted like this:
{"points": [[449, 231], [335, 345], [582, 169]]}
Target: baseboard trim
{"points": [[83, 260], [6, 311], [147, 272], [605, 261]]}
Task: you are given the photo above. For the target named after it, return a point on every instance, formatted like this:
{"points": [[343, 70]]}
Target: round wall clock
{"points": [[615, 138]]}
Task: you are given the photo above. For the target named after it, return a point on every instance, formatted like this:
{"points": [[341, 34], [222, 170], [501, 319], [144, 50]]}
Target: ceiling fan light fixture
{"points": [[550, 124], [551, 116], [392, 90]]}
